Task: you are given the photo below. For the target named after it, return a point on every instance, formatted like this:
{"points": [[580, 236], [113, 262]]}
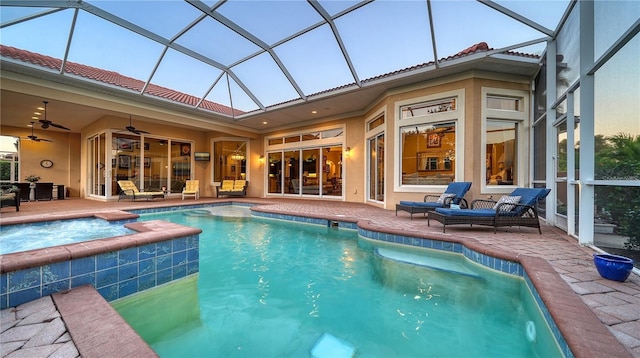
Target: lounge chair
{"points": [[515, 209], [454, 194], [10, 197], [191, 188], [129, 189], [232, 188]]}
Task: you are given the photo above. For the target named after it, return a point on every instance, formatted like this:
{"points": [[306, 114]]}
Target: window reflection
{"points": [[501, 160], [230, 160], [428, 151]]}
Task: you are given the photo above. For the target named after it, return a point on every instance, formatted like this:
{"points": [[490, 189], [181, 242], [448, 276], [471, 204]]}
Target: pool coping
{"points": [[97, 330], [146, 233], [582, 330]]}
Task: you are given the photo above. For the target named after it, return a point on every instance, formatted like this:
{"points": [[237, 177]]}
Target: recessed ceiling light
{"points": [[264, 122], [30, 125], [314, 111], [40, 108], [37, 113], [36, 118]]}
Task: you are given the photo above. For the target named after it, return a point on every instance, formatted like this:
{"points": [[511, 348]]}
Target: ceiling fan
{"points": [[133, 129], [34, 138], [45, 123]]}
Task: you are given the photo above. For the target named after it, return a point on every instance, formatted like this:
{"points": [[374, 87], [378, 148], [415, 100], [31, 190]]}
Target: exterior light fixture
{"points": [[347, 152], [261, 159]]}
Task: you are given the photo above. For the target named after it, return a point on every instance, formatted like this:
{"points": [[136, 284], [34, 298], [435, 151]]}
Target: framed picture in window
{"points": [[124, 161], [147, 162], [185, 150], [146, 145], [433, 140], [125, 144]]}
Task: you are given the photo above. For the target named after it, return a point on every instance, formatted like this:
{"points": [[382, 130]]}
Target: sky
{"points": [[379, 37]]}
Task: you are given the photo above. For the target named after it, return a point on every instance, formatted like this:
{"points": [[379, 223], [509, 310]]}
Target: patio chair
{"points": [[129, 189], [515, 209], [232, 188], [454, 194], [10, 197], [191, 188]]}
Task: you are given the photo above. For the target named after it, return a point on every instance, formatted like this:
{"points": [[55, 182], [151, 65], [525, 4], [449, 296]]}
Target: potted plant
{"points": [[32, 179], [613, 267]]}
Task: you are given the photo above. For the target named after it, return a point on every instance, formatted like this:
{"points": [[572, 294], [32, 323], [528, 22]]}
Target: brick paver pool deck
{"points": [[603, 322]]}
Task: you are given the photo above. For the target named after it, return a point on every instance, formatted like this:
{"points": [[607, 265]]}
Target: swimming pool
{"points": [[23, 237], [270, 288]]}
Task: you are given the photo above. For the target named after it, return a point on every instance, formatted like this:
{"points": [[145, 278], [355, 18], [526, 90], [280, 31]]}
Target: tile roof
{"points": [[477, 48], [112, 78], [116, 79]]}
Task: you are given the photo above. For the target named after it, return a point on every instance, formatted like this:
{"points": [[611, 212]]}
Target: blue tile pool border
{"points": [[114, 274], [306, 220]]}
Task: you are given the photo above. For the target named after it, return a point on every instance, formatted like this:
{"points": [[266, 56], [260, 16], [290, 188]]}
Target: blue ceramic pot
{"points": [[613, 267]]}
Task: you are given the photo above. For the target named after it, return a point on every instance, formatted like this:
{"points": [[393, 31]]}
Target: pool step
{"points": [[436, 263], [330, 346]]}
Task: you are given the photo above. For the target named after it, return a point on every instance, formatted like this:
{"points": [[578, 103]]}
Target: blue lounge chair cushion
{"points": [[459, 188], [422, 204], [530, 196], [467, 212]]}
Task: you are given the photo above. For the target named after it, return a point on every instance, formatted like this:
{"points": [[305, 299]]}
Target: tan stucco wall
{"points": [[64, 151], [69, 148]]}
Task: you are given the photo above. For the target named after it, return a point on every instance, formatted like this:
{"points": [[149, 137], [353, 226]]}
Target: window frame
{"points": [[456, 116], [521, 119], [213, 157], [300, 146]]}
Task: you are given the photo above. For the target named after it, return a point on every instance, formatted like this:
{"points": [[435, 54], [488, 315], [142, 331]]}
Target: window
{"points": [[505, 116], [375, 123], [229, 160], [425, 150], [428, 107], [9, 159], [504, 103], [501, 152], [308, 163], [429, 131]]}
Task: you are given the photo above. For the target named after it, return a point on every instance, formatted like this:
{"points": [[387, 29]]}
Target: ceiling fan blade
{"points": [[132, 130], [45, 123], [59, 126]]}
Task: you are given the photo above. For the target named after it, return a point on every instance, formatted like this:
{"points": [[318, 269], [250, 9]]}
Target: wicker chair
{"points": [[456, 192], [232, 188], [496, 214], [10, 199]]}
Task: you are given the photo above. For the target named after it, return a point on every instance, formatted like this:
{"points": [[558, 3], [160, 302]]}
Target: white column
{"points": [[587, 147]]}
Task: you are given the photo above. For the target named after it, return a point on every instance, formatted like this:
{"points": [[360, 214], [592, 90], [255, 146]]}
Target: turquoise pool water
{"points": [[23, 237], [279, 289]]}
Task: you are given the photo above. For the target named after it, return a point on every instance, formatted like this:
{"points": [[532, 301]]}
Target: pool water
{"points": [[23, 237], [268, 288]]}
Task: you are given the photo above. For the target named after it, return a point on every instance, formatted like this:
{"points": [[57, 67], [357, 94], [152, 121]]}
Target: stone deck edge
{"points": [[97, 330]]}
